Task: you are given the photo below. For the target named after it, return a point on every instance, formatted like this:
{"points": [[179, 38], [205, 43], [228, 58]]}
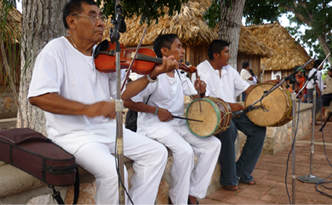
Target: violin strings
{"points": [[148, 58]]}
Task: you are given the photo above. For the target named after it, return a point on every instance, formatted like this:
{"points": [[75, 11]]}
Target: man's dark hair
{"points": [[162, 41], [216, 46], [72, 7], [317, 63], [245, 64]]}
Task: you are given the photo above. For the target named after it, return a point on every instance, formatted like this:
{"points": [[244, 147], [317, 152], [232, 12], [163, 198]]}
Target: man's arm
{"points": [[200, 87], [55, 103], [248, 89], [163, 114], [236, 106], [134, 87]]}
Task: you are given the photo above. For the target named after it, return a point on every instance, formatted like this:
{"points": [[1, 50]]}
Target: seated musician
{"points": [[79, 112], [155, 120], [224, 82]]}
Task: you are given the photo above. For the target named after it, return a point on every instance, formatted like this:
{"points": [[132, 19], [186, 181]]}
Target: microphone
{"points": [[240, 112], [114, 35], [121, 24], [237, 113]]}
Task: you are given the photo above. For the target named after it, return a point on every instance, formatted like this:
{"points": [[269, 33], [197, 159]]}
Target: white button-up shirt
{"points": [[226, 87], [319, 81]]}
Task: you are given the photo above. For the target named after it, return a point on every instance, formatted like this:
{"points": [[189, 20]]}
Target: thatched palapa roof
{"points": [[13, 24], [288, 54], [191, 28]]}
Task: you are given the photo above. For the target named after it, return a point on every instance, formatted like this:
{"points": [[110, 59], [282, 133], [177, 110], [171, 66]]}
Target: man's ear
{"points": [[71, 21], [164, 51], [216, 55]]}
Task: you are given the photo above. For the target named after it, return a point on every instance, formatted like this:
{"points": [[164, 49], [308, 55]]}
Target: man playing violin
{"points": [[224, 82], [155, 120], [79, 111]]}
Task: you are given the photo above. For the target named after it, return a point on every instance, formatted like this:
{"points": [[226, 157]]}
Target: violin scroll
{"points": [[187, 67]]}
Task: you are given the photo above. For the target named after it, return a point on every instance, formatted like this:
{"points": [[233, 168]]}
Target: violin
{"points": [[144, 63]]}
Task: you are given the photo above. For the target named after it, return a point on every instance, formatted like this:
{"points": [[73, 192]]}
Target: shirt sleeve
{"points": [[245, 75], [145, 93], [240, 84], [47, 74]]}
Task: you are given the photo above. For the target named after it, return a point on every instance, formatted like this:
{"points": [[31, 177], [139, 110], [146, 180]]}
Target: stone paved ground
{"points": [[269, 175]]}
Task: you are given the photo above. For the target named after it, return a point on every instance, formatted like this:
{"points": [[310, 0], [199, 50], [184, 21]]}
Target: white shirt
{"points": [[254, 81], [167, 93], [319, 81], [245, 75], [226, 87], [62, 69]]}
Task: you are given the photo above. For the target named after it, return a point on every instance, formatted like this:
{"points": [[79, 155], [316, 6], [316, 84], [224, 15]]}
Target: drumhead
{"points": [[277, 105], [210, 116]]}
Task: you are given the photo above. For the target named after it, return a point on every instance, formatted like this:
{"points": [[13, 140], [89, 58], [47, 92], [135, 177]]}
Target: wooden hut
{"points": [[12, 48], [194, 34], [287, 55]]}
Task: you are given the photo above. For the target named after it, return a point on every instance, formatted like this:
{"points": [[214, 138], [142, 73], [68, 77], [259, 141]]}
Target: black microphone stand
{"points": [[118, 102]]}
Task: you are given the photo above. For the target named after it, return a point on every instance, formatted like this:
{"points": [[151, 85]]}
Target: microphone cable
{"points": [[323, 181], [118, 172]]}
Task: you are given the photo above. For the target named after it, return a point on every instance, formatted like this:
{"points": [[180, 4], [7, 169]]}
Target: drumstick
{"points": [[199, 93], [184, 118]]}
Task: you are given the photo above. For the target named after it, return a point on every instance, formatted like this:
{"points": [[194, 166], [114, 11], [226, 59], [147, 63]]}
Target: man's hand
{"points": [[236, 106], [106, 109], [200, 85], [164, 115], [168, 65]]}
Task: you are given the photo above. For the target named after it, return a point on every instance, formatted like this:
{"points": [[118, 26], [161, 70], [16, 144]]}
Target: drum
{"points": [[216, 116], [278, 105]]}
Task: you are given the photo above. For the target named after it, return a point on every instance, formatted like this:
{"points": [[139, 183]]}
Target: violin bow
{"points": [[132, 62]]}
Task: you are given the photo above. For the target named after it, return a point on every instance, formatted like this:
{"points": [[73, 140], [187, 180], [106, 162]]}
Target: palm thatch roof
{"points": [[191, 28], [13, 25], [288, 53]]}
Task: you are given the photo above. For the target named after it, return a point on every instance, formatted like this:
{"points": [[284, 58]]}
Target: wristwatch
{"points": [[150, 79]]}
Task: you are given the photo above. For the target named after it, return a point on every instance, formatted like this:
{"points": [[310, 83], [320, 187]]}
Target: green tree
{"points": [[315, 14], [228, 14]]}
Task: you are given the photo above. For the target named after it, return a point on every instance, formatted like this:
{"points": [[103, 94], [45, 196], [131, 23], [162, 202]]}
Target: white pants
{"points": [[187, 179], [149, 158]]}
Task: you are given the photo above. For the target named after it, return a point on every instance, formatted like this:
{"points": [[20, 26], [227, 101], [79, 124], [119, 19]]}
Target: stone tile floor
{"points": [[270, 171]]}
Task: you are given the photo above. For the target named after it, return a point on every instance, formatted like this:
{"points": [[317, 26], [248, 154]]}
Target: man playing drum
{"points": [[225, 82], [155, 120]]}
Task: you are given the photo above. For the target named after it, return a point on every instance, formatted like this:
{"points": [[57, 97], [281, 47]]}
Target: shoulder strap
{"points": [[56, 194], [148, 99]]}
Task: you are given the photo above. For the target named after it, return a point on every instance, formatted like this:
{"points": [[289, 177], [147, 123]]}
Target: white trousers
{"points": [[149, 158], [187, 178]]}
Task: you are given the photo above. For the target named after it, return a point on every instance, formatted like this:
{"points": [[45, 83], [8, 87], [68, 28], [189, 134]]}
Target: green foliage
{"points": [[8, 34], [149, 9], [256, 11], [212, 14], [315, 14]]}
